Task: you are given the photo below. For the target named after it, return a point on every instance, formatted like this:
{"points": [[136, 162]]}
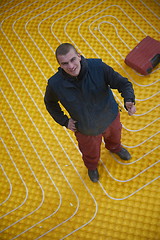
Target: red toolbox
{"points": [[145, 56]]}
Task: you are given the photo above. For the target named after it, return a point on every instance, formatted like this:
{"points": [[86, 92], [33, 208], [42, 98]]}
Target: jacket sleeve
{"points": [[116, 81], [53, 107]]}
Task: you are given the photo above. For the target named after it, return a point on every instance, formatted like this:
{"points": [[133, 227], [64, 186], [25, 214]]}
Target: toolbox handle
{"points": [[155, 60]]}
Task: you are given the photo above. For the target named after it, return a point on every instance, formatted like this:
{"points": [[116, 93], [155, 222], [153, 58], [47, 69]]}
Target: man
{"points": [[83, 87]]}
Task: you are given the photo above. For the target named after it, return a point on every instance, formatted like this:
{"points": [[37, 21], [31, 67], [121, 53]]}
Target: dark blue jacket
{"points": [[87, 98]]}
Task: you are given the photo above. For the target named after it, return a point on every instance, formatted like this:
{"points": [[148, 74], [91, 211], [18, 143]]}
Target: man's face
{"points": [[70, 63]]}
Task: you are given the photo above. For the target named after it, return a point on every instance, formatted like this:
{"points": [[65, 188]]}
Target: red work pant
{"points": [[90, 145]]}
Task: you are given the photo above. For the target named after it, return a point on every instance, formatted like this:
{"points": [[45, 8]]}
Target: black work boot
{"points": [[124, 154], [94, 175]]}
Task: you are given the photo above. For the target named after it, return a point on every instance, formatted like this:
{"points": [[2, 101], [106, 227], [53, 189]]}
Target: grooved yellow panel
{"points": [[45, 192]]}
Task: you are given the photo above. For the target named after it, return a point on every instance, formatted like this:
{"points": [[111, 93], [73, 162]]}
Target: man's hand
{"points": [[71, 125], [130, 107]]}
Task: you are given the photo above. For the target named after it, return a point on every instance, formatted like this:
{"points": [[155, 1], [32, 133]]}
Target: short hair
{"points": [[63, 49]]}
